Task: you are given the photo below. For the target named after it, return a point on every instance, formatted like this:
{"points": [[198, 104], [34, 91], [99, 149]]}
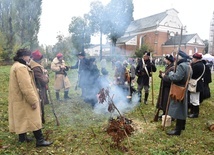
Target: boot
{"points": [[23, 137], [190, 107], [179, 126], [181, 123], [40, 139], [146, 98], [195, 112], [57, 96], [66, 95]]}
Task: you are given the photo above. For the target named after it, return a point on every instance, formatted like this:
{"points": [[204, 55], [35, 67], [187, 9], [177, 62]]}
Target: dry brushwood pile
{"points": [[119, 128]]}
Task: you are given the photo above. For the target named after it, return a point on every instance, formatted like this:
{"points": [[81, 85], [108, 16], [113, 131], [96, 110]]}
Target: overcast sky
{"points": [[56, 15]]}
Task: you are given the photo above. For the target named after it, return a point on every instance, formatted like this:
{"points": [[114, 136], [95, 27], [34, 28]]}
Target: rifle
{"points": [[160, 99], [156, 115], [53, 110]]}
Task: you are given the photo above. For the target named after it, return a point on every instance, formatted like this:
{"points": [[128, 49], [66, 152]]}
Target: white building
{"points": [[95, 50], [211, 37]]}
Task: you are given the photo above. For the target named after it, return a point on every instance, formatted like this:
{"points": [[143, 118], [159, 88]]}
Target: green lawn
{"points": [[83, 132]]}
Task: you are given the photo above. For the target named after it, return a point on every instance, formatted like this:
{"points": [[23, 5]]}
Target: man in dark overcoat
{"points": [[143, 71], [83, 72], [178, 110]]}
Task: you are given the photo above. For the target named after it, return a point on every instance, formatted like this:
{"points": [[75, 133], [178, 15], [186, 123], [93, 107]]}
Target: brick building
{"points": [[162, 33]]}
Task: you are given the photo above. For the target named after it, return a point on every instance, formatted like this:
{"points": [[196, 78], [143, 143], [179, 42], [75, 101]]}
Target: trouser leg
{"points": [[57, 96], [43, 112], [22, 137], [146, 98], [66, 95]]}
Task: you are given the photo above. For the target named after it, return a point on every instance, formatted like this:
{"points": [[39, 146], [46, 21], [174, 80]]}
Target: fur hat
{"points": [[197, 56], [36, 55], [23, 52], [59, 55], [169, 57]]}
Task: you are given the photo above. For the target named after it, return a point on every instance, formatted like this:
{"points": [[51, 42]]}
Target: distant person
{"points": [[24, 103], [132, 75], [178, 110], [92, 85], [82, 65], [61, 79], [143, 71], [41, 78], [103, 65], [207, 80]]}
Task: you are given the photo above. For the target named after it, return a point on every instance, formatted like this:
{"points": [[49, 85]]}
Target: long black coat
{"points": [[83, 71], [164, 89], [207, 79], [141, 72], [197, 69]]}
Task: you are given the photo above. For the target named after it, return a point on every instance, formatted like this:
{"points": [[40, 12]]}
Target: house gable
{"points": [[196, 40], [171, 22]]}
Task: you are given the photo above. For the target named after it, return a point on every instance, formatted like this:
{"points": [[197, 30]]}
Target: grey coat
{"points": [[178, 110]]}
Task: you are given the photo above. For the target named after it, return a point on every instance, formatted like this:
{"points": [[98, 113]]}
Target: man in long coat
{"points": [[143, 71], [83, 71], [61, 79], [23, 100], [178, 110], [165, 85], [41, 79]]}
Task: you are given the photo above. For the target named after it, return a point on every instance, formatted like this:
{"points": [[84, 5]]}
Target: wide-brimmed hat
{"points": [[147, 53], [169, 57], [23, 52], [81, 54]]}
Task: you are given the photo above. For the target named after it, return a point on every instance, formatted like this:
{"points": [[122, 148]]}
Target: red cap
{"points": [[59, 55], [36, 55], [197, 56]]}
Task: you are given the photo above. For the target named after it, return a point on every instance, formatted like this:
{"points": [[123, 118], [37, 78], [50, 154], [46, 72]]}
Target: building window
{"points": [[141, 41], [195, 49], [190, 52]]}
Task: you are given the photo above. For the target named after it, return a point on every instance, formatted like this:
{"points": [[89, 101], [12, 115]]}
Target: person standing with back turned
{"points": [[23, 100], [178, 110]]}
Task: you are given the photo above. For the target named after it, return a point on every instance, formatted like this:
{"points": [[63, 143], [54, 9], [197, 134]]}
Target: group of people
{"points": [[179, 72], [27, 76]]}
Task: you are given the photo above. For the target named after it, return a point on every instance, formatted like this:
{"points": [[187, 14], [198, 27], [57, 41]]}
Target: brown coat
{"points": [[22, 94], [41, 80], [61, 80]]}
